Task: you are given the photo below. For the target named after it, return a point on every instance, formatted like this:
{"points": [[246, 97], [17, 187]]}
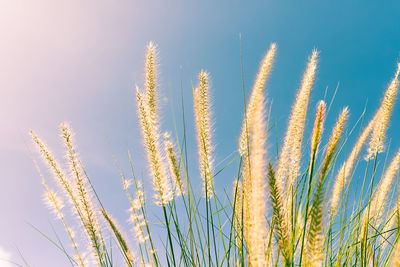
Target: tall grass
{"points": [[288, 211]]}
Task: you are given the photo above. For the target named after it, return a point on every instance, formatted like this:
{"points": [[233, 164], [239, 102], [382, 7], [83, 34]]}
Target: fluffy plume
{"points": [[128, 256], [318, 127], [315, 239], [68, 189], [150, 134], [258, 88], [376, 144], [289, 160], [345, 170], [85, 206], [151, 81], [257, 228], [379, 199], [277, 216], [148, 116], [203, 126], [173, 165], [314, 244], [58, 173], [136, 216], [55, 204], [246, 141], [381, 119], [334, 140]]}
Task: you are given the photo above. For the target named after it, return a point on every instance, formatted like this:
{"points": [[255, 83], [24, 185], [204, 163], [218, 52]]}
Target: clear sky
{"points": [[78, 61]]}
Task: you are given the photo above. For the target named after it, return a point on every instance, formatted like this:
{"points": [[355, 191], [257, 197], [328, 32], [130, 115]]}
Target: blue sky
{"points": [[79, 61]]}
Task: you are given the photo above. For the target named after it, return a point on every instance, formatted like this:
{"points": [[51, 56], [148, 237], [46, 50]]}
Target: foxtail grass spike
{"points": [[277, 216], [53, 165], [128, 256], [258, 88], [202, 112], [150, 134], [238, 198], [376, 144], [379, 199], [88, 214], [151, 81], [346, 169], [257, 232], [377, 126], [318, 127], [174, 170], [136, 216], [289, 159]]}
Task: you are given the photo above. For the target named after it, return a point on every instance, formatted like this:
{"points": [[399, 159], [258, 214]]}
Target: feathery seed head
{"points": [[345, 170], [120, 236], [256, 231], [318, 126], [173, 165], [202, 112], [151, 142], [337, 131], [258, 88], [379, 199], [136, 217], [334, 141], [376, 144], [53, 202], [53, 165], [151, 79], [290, 155]]}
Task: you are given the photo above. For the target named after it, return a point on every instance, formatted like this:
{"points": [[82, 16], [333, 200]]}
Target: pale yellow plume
{"points": [[174, 170], [87, 212], [289, 160], [238, 202], [151, 80], [345, 170], [334, 140], [258, 88], [258, 230], [318, 127], [376, 144], [201, 103], [151, 135], [379, 200]]}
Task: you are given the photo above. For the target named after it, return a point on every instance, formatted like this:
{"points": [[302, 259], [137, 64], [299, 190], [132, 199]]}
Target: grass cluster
{"points": [[279, 213]]}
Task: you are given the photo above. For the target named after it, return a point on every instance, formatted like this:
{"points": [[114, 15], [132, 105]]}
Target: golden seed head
{"points": [[376, 144], [258, 88], [318, 126], [151, 79], [345, 170], [289, 159], [175, 173], [255, 222], [202, 112], [337, 131], [150, 133], [379, 200]]}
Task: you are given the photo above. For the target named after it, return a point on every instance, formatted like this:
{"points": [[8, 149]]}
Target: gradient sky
{"points": [[78, 61]]}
